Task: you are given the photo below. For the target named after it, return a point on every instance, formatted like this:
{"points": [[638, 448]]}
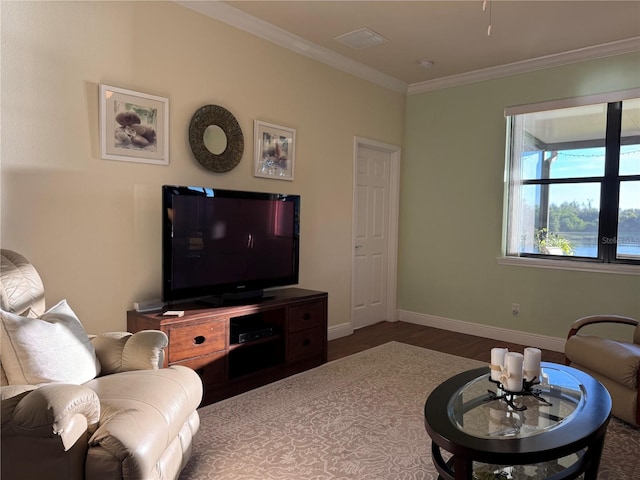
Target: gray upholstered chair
{"points": [[614, 363], [76, 406]]}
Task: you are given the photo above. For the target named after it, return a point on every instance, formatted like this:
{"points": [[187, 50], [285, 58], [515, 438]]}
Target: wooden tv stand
{"points": [[201, 339]]}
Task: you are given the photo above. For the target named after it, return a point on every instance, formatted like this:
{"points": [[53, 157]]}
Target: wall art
{"points": [[216, 138], [134, 126], [274, 151]]}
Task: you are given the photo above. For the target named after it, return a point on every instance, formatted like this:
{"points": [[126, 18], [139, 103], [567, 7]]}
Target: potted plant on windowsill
{"points": [[551, 243]]}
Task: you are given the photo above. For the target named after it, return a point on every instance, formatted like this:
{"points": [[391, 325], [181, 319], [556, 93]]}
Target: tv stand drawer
{"points": [[192, 341], [308, 315], [210, 368], [305, 344]]}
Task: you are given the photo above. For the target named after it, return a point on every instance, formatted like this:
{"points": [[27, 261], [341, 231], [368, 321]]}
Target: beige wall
{"points": [[92, 226], [452, 204]]}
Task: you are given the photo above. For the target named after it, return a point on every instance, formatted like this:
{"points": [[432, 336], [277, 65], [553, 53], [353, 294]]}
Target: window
{"points": [[573, 171]]}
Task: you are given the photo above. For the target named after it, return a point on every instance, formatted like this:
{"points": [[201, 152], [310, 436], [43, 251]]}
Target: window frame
{"points": [[609, 184]]}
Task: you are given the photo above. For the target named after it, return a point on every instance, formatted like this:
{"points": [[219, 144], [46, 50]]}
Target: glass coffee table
{"points": [[555, 430]]}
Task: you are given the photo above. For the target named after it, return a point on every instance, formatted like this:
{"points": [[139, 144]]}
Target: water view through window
{"points": [[574, 185], [574, 208]]}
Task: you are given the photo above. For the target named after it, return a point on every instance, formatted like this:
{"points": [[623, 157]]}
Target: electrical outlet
{"points": [[515, 309]]}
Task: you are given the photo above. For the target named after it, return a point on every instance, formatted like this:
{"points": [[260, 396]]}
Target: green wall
{"points": [[452, 207]]}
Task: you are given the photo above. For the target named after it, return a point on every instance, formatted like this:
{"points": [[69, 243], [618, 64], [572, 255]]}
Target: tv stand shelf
{"points": [[251, 343], [282, 334]]}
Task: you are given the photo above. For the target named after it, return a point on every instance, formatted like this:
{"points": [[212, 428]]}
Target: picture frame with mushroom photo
{"points": [[134, 126]]}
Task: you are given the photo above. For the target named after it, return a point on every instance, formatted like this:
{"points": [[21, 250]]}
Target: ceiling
{"points": [[525, 35]]}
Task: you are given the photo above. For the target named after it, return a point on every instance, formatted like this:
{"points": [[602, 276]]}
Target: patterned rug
{"points": [[360, 417]]}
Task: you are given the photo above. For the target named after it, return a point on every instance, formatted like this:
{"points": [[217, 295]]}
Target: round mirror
{"points": [[216, 138]]}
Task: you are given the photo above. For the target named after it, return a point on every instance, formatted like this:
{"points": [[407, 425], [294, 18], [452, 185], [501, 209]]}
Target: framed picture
{"points": [[274, 151], [134, 126]]}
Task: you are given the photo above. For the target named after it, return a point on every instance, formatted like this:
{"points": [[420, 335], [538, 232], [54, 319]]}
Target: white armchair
{"points": [[615, 364], [94, 407]]}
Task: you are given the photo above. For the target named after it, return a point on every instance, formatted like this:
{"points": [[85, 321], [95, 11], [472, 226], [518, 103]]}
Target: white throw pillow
{"points": [[51, 348]]}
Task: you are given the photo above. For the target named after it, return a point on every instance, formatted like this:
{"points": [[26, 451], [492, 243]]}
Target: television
{"points": [[227, 246]]}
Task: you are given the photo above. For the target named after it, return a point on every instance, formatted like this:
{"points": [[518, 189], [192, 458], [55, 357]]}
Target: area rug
{"points": [[360, 417]]}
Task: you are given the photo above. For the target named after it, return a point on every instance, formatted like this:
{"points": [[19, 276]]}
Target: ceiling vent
{"points": [[359, 39]]}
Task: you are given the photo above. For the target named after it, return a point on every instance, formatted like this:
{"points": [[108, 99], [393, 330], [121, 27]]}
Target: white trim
{"points": [[394, 226], [394, 152], [616, 268], [496, 333], [558, 59], [339, 331], [239, 19], [607, 97]]}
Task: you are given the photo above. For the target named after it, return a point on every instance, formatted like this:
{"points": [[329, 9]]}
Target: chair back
{"points": [[21, 290]]}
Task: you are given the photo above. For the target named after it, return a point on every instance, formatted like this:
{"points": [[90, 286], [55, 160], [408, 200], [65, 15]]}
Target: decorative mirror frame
{"points": [[223, 118]]}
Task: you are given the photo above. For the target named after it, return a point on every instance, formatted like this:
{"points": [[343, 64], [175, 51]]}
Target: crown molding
{"points": [[243, 21], [628, 45], [239, 19]]}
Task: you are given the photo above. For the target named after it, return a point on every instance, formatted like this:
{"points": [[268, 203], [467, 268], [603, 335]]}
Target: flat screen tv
{"points": [[222, 246]]}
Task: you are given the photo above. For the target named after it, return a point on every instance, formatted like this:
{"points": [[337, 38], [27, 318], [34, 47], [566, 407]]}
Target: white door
{"points": [[375, 232]]}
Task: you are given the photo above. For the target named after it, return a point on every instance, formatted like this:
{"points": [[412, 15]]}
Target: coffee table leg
{"points": [[463, 468], [438, 462], [595, 452]]}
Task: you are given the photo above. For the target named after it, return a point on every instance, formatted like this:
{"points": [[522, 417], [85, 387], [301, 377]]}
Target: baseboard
{"points": [[486, 331], [339, 331]]}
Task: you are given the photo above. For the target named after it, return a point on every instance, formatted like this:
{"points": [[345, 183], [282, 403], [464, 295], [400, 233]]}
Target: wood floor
{"points": [[460, 344]]}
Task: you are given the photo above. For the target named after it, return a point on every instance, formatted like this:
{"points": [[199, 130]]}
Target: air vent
{"points": [[359, 39]]}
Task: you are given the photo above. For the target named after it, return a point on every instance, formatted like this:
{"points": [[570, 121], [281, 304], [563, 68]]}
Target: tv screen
{"points": [[227, 244]]}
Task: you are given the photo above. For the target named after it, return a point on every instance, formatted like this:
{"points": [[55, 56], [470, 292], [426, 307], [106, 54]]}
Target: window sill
{"points": [[617, 268]]}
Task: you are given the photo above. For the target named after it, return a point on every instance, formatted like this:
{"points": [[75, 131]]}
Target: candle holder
{"points": [[509, 396]]}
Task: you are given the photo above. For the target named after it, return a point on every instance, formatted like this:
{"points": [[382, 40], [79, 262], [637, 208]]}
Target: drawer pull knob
{"points": [[306, 316], [306, 342], [199, 340]]}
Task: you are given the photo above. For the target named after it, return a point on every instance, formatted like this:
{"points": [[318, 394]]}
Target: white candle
{"points": [[532, 358], [497, 362], [513, 362]]}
